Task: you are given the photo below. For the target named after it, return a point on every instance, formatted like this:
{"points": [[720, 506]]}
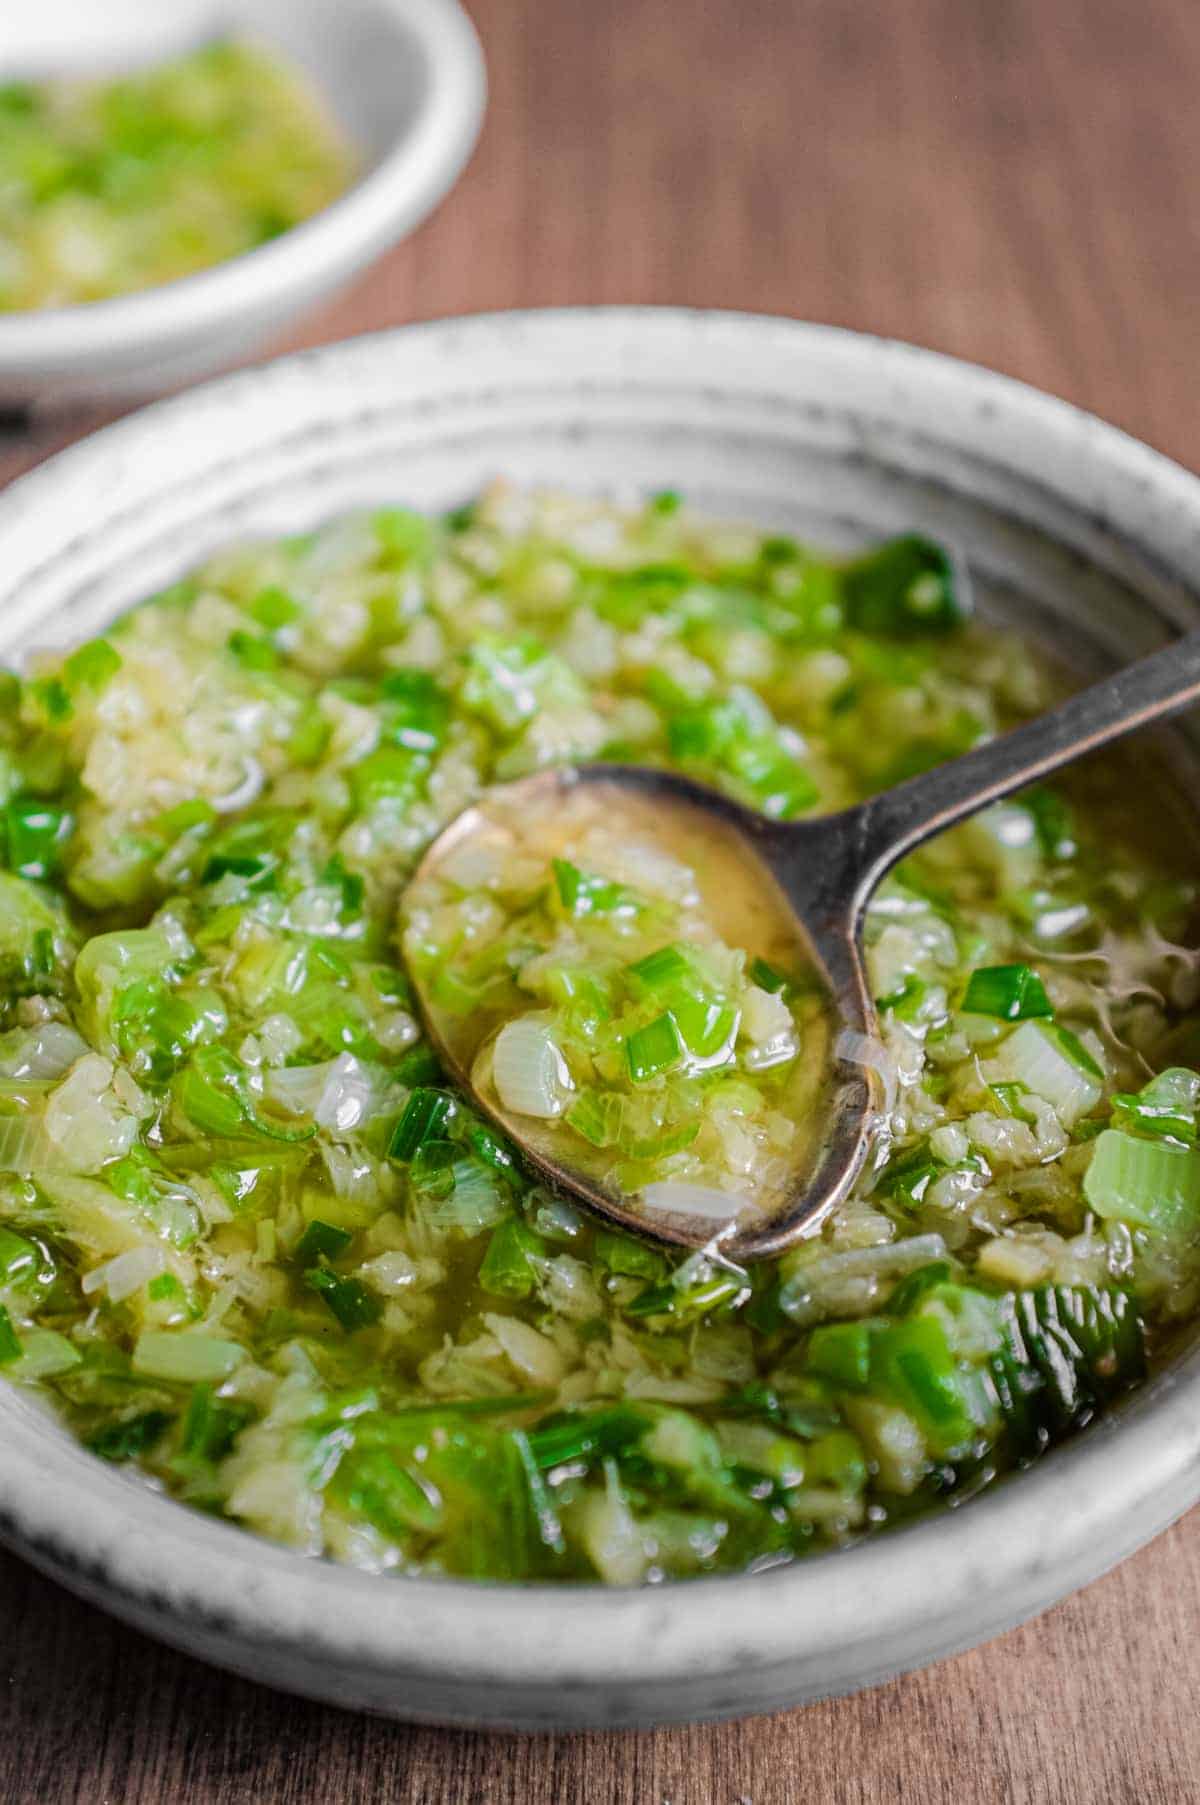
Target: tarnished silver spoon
{"points": [[822, 873]]}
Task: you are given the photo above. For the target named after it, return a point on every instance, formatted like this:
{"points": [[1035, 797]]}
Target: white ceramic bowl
{"points": [[404, 78], [1064, 521]]}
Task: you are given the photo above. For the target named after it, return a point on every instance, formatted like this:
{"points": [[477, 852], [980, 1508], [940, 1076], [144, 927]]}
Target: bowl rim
{"points": [[924, 1589], [417, 170]]}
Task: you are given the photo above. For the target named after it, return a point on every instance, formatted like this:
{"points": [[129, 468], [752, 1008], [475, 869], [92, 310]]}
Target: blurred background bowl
{"points": [[405, 81]]}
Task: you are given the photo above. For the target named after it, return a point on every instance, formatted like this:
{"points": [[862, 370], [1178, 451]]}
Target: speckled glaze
{"points": [[405, 80], [1067, 524]]}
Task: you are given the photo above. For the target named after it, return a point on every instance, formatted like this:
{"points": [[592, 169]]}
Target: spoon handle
{"points": [[891, 824]]}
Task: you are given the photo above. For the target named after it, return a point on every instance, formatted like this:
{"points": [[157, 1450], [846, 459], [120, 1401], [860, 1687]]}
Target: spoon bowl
{"points": [[815, 879], [749, 853]]}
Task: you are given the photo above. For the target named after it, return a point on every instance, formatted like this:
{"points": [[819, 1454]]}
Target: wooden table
{"points": [[1010, 180]]}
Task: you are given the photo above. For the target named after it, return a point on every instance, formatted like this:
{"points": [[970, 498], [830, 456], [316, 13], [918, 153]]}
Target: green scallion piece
{"points": [[36, 833], [354, 1306], [10, 1341], [1052, 819], [688, 1303], [213, 1091], [206, 1106], [45, 1354], [705, 732], [905, 999], [273, 607], [905, 587], [763, 1311], [403, 535], [92, 665], [1010, 1098], [508, 1265], [767, 977], [779, 784], [492, 1150], [841, 1352], [375, 1485], [502, 679], [417, 710], [708, 1026], [210, 1425], [21, 1262], [550, 1530], [185, 815], [654, 1049], [907, 1294], [668, 969], [1011, 993], [584, 992], [166, 1289], [586, 1435], [322, 1241], [1066, 1349], [185, 1356], [1152, 1184], [1163, 1109], [253, 652], [427, 1114], [419, 1065], [135, 1436], [310, 738], [392, 773], [908, 1178], [259, 869], [54, 698], [582, 893], [913, 1364], [628, 1257], [658, 1146], [597, 1116]]}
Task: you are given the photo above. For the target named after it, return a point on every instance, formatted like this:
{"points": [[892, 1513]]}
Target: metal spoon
{"points": [[826, 870]]}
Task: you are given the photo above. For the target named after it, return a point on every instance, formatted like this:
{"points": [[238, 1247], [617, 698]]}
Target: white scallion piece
{"points": [[673, 1197], [24, 1146], [480, 860], [893, 1258], [124, 1275], [338, 1094], [345, 1100], [1052, 1064], [529, 1071], [350, 1174], [186, 1356], [245, 792], [46, 1051]]}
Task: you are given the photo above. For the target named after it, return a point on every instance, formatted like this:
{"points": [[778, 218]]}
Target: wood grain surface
{"points": [[1014, 181]]}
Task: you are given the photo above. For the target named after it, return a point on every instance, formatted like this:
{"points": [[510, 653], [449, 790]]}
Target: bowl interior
{"points": [[358, 54], [1051, 567]]}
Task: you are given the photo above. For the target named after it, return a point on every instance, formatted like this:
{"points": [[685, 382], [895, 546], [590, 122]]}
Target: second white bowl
{"points": [[405, 80]]}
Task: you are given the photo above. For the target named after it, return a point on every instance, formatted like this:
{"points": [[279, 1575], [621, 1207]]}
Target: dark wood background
{"points": [[1014, 181]]}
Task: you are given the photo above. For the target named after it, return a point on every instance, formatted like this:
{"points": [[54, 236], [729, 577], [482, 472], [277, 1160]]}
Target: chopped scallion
{"points": [[322, 1240], [347, 1298], [427, 1114], [1012, 993], [655, 1049], [1152, 1184]]}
